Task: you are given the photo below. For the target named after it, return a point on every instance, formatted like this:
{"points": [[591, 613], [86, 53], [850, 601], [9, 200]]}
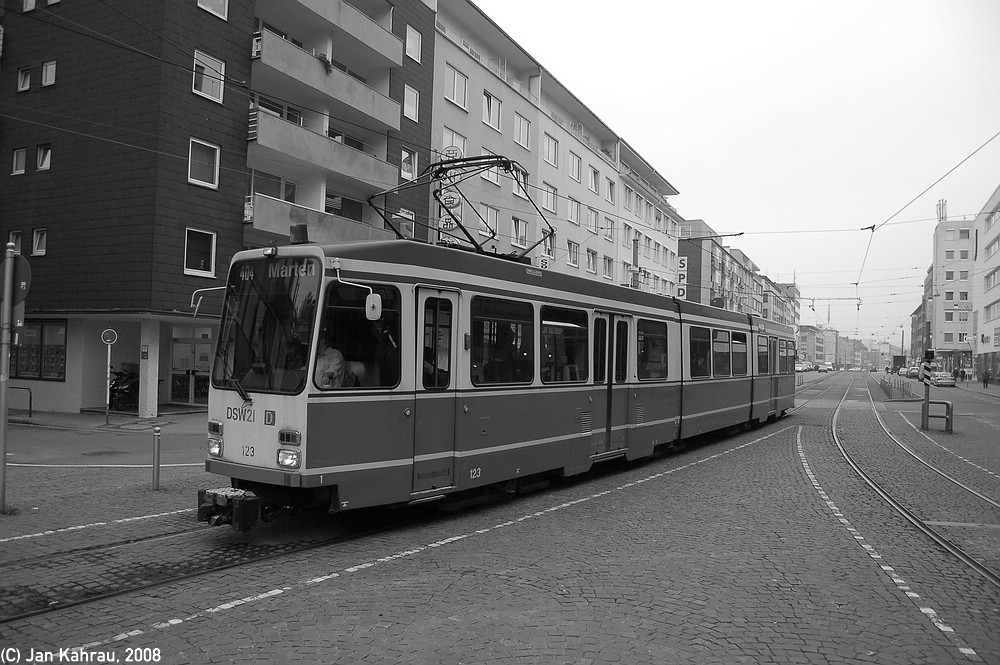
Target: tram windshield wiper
{"points": [[235, 383]]}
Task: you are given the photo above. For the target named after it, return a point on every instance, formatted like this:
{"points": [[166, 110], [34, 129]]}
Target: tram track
{"points": [[910, 513], [124, 568]]}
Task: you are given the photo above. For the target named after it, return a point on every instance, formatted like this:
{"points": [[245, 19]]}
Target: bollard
{"points": [[156, 458]]}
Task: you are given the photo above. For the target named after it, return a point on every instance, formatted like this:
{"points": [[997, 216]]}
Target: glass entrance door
{"points": [[190, 363]]}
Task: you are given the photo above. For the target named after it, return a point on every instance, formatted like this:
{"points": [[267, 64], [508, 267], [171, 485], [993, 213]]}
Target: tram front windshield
{"points": [[267, 317]]}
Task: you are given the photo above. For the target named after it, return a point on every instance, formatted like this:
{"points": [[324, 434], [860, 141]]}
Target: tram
{"points": [[392, 372]]}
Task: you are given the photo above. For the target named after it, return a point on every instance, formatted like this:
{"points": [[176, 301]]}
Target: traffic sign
{"points": [[22, 278], [109, 336]]}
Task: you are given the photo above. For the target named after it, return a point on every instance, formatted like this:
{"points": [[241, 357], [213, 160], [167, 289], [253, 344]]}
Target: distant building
{"points": [[949, 309], [985, 269]]}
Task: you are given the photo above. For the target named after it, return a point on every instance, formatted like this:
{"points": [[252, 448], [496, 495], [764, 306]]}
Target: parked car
{"points": [[942, 379], [823, 369], [913, 373], [901, 371]]}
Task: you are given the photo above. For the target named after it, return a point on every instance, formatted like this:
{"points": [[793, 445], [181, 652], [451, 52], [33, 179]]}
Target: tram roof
{"points": [[425, 255]]}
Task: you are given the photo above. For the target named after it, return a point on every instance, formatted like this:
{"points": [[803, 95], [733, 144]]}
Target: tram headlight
{"points": [[214, 446], [288, 459]]}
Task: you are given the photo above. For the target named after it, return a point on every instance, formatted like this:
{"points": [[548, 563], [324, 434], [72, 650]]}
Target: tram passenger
{"points": [[331, 370], [386, 353]]}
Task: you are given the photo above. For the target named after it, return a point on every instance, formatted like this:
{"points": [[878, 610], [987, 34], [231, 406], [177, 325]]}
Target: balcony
{"points": [[283, 142], [289, 72], [274, 216]]}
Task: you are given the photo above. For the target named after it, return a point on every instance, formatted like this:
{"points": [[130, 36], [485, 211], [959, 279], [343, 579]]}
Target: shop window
{"points": [[41, 353]]}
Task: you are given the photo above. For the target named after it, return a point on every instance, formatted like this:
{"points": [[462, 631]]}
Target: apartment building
{"points": [[573, 172], [151, 141], [949, 304], [985, 281]]}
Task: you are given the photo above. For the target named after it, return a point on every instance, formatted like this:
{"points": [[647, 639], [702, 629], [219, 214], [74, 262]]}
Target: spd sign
{"points": [[22, 278]]}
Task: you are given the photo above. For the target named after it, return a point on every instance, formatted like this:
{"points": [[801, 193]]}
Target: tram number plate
{"points": [[248, 451]]}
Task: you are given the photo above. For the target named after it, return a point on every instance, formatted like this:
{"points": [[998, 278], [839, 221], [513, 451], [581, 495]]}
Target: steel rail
{"points": [[953, 549]]}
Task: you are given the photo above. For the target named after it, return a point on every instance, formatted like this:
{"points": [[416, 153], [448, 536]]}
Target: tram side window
{"points": [[782, 356], [600, 351], [721, 358], [763, 357], [790, 355], [564, 345], [652, 350], [503, 340], [353, 351], [739, 354], [700, 352]]}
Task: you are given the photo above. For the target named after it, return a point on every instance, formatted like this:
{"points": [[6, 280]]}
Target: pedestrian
{"points": [[986, 378], [962, 376]]}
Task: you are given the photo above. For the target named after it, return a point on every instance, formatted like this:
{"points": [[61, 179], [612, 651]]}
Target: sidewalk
{"points": [[187, 422]]}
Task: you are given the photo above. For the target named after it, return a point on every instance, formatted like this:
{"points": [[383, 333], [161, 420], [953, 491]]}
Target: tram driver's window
{"points": [[652, 350], [701, 349], [790, 357], [564, 345], [503, 341], [369, 350]]}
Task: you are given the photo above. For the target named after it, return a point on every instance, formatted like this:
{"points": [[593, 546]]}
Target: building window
{"points": [[15, 238], [963, 296], [520, 182], [209, 74], [453, 139], [963, 254], [550, 151], [949, 316], [413, 42], [28, 5], [595, 181], [609, 267], [949, 255], [592, 220], [629, 201], [203, 164], [611, 191], [573, 211], [406, 219], [411, 100], [19, 157], [609, 229], [548, 248], [949, 295], [522, 130], [39, 242], [949, 275], [491, 174], [963, 274], [23, 79], [408, 164], [572, 253], [592, 261], [575, 166], [949, 337], [491, 110], [519, 235], [218, 7], [549, 194], [48, 73], [43, 157], [456, 86], [963, 234], [490, 220], [42, 353], [199, 253]]}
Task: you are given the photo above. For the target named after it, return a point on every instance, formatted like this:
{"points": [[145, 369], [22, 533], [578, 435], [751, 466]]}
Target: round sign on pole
{"points": [[109, 336], [22, 279], [452, 152], [450, 199]]}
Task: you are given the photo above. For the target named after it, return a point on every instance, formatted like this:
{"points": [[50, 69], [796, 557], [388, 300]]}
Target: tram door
{"points": [[611, 355], [775, 368], [435, 404]]}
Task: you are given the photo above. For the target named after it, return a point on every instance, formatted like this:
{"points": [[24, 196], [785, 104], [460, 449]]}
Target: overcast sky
{"points": [[798, 123]]}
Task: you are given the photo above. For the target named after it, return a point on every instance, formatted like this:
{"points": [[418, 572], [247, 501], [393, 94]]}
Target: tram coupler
{"points": [[227, 505]]}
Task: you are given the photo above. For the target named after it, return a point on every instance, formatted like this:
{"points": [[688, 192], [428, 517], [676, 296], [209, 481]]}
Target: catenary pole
{"points": [[6, 314]]}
